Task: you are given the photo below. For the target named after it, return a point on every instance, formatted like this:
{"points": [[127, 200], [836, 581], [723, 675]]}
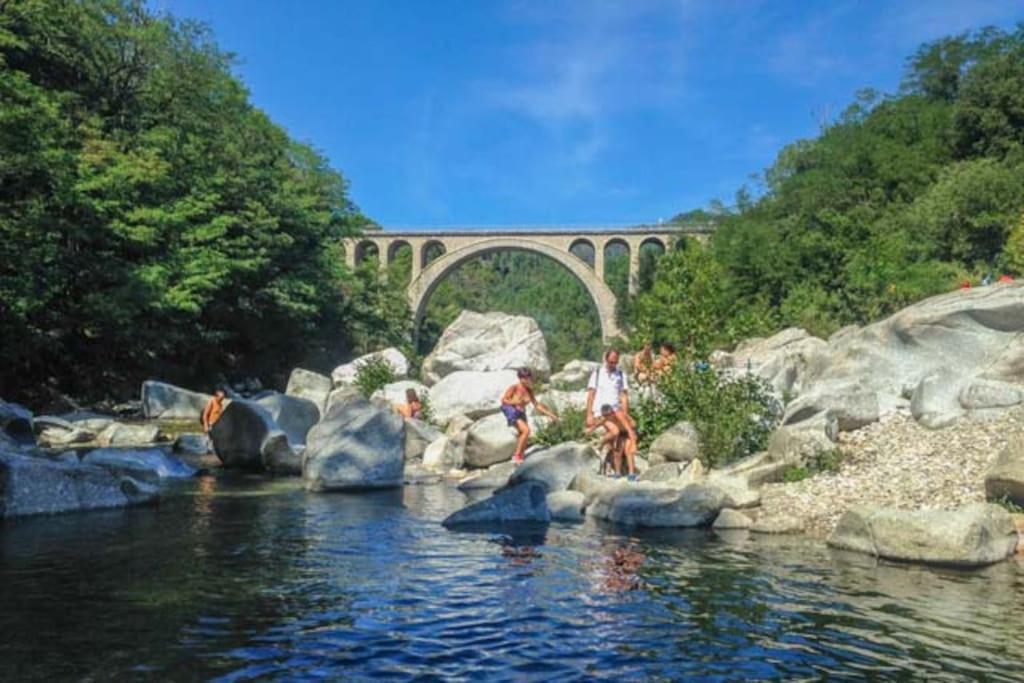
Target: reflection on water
{"points": [[248, 578]]}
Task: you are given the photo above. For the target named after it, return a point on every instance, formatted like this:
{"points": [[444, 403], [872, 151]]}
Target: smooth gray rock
{"points": [[442, 455], [356, 446], [971, 536], [798, 444], [850, 407], [168, 402], [655, 505], [525, 502], [473, 394], [935, 403], [782, 360], [88, 420], [16, 423], [486, 342], [41, 423], [344, 394], [294, 416], [34, 485], [311, 386], [732, 519], [736, 492], [556, 467], [986, 395], [55, 437], [492, 478], [489, 441], [418, 435], [346, 374], [1005, 478], [246, 437], [574, 376], [144, 463], [679, 443], [756, 469], [665, 472], [566, 506]]}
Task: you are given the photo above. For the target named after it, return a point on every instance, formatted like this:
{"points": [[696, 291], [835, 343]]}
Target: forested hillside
{"points": [[152, 221], [904, 196]]}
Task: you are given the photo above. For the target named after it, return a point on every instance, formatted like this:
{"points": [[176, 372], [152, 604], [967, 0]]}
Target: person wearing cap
{"points": [[513, 407]]}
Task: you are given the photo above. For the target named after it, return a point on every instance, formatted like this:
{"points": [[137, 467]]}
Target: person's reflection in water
{"points": [[621, 567]]}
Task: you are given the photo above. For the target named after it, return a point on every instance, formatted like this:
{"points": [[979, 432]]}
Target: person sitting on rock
{"points": [[666, 360], [213, 409], [513, 406], [608, 385], [614, 440], [412, 409], [643, 364]]}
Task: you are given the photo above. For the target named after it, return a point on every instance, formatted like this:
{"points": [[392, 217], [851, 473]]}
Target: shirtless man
{"points": [[513, 406], [614, 440], [608, 386]]}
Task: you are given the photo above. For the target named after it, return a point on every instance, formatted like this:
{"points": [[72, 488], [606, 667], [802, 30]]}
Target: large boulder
{"points": [[1005, 479], [346, 393], [442, 455], [656, 505], [562, 401], [486, 342], [35, 485], [311, 386], [246, 437], [418, 436], [851, 408], [16, 423], [557, 467], [781, 360], [295, 416], [984, 396], [914, 352], [732, 519], [168, 402], [525, 502], [356, 446], [679, 443], [972, 536], [574, 376], [489, 441], [473, 394], [144, 463], [346, 374]]}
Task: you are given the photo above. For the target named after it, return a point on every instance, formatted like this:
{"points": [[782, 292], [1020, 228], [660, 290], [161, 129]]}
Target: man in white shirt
{"points": [[608, 386]]}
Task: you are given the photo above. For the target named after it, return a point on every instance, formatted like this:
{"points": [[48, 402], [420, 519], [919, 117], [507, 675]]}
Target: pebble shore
{"points": [[895, 462]]}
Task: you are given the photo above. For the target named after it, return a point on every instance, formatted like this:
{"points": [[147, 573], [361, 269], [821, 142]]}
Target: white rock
{"points": [[473, 394], [346, 374], [486, 342]]}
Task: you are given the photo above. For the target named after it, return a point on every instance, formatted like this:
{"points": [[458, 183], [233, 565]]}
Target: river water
{"points": [[247, 579]]}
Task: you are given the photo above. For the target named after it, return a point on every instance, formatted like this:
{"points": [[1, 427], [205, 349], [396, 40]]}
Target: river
{"points": [[241, 578]]}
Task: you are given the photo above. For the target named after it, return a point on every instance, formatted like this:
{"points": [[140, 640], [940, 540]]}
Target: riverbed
{"points": [[239, 578]]}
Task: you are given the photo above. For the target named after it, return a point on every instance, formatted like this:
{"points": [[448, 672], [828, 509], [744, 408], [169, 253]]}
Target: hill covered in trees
{"points": [[152, 221], [902, 197]]}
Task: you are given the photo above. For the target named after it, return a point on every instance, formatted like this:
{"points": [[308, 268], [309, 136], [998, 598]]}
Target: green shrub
{"points": [[733, 415], [373, 374], [426, 412], [569, 428], [1007, 504]]}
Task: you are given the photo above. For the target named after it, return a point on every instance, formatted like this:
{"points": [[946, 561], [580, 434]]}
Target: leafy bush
{"points": [[733, 415], [1007, 504], [373, 374], [426, 412], [569, 428]]}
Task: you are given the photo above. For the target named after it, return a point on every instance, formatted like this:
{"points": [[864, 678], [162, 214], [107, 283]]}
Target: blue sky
{"points": [[459, 113]]}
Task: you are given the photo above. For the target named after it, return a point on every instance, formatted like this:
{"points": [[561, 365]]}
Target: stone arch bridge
{"points": [[436, 254]]}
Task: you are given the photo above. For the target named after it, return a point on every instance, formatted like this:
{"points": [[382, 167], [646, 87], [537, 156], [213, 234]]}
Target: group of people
{"points": [[607, 409], [647, 367]]}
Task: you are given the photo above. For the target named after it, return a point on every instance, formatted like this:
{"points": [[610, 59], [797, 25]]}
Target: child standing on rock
{"points": [[513, 406]]}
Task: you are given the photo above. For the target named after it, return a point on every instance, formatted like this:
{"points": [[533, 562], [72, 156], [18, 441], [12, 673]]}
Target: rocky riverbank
{"points": [[897, 462]]}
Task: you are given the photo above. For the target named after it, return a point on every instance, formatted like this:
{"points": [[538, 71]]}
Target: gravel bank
{"points": [[895, 462]]}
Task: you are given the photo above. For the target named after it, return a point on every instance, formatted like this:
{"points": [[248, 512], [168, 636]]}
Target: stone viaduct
{"points": [[580, 250]]}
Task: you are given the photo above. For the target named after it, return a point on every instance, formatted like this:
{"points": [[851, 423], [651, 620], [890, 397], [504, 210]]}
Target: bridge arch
{"points": [[432, 274]]}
